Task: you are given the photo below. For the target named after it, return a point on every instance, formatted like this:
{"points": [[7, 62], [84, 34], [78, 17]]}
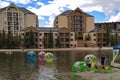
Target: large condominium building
{"points": [[77, 21], [113, 26], [13, 18], [45, 37], [110, 25], [98, 37]]}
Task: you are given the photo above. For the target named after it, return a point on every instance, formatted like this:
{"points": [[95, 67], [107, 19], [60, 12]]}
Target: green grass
{"points": [[117, 60], [68, 76], [105, 71]]}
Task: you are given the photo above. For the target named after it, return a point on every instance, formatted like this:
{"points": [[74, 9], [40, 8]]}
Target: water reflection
{"points": [[16, 66]]}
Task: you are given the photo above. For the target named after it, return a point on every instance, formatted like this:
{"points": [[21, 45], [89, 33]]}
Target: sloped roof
{"points": [[2, 9], [95, 30], [66, 12], [70, 11], [24, 10], [47, 29]]}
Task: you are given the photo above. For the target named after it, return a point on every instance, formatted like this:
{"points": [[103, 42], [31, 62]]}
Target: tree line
{"points": [[28, 40], [8, 41]]}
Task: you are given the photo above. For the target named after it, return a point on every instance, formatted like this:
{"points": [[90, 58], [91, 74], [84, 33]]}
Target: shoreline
{"points": [[59, 49]]}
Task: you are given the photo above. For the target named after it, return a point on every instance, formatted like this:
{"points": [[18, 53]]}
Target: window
{"points": [[9, 14], [67, 40], [15, 14], [40, 45], [67, 45], [61, 34], [71, 34], [23, 34], [40, 34], [40, 39], [15, 23], [36, 40], [67, 35], [9, 23], [61, 39], [15, 19], [16, 28], [9, 18], [80, 17], [36, 45], [56, 34], [94, 34], [71, 39], [36, 34]]}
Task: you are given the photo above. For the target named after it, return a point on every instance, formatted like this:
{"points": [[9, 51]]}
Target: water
{"points": [[16, 67]]}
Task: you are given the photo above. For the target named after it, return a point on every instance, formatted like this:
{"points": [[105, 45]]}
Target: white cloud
{"points": [[50, 22], [106, 6], [21, 1], [40, 3], [93, 8], [56, 7], [114, 18], [3, 4]]}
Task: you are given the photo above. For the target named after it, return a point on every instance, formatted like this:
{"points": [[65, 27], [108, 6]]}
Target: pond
{"points": [[16, 67]]}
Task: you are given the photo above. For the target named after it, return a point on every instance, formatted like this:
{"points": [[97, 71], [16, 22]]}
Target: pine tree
{"points": [[31, 39], [58, 42], [87, 37], [50, 37], [9, 40], [1, 43], [4, 41], [44, 43], [108, 37]]}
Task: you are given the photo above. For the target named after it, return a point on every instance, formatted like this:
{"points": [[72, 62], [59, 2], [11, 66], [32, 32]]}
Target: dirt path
{"points": [[100, 76]]}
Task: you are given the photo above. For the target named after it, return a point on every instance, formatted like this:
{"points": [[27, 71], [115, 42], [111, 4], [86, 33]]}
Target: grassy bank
{"points": [[117, 60], [68, 76]]}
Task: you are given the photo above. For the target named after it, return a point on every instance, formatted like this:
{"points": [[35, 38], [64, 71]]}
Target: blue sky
{"points": [[103, 11]]}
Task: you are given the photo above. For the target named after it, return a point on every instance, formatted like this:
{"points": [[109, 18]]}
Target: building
{"points": [[113, 26], [98, 37], [45, 37], [77, 21], [13, 18]]}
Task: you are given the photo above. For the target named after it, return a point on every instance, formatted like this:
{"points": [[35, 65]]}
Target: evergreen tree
{"points": [[1, 43], [87, 37], [58, 42], [17, 40], [29, 39], [4, 39], [108, 37], [50, 37], [10, 42], [116, 39], [44, 43], [112, 40]]}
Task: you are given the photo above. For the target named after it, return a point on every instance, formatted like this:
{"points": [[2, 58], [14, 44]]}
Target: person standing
{"points": [[103, 61], [88, 62]]}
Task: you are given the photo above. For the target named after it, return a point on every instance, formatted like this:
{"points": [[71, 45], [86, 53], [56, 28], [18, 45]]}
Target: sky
{"points": [[47, 10]]}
